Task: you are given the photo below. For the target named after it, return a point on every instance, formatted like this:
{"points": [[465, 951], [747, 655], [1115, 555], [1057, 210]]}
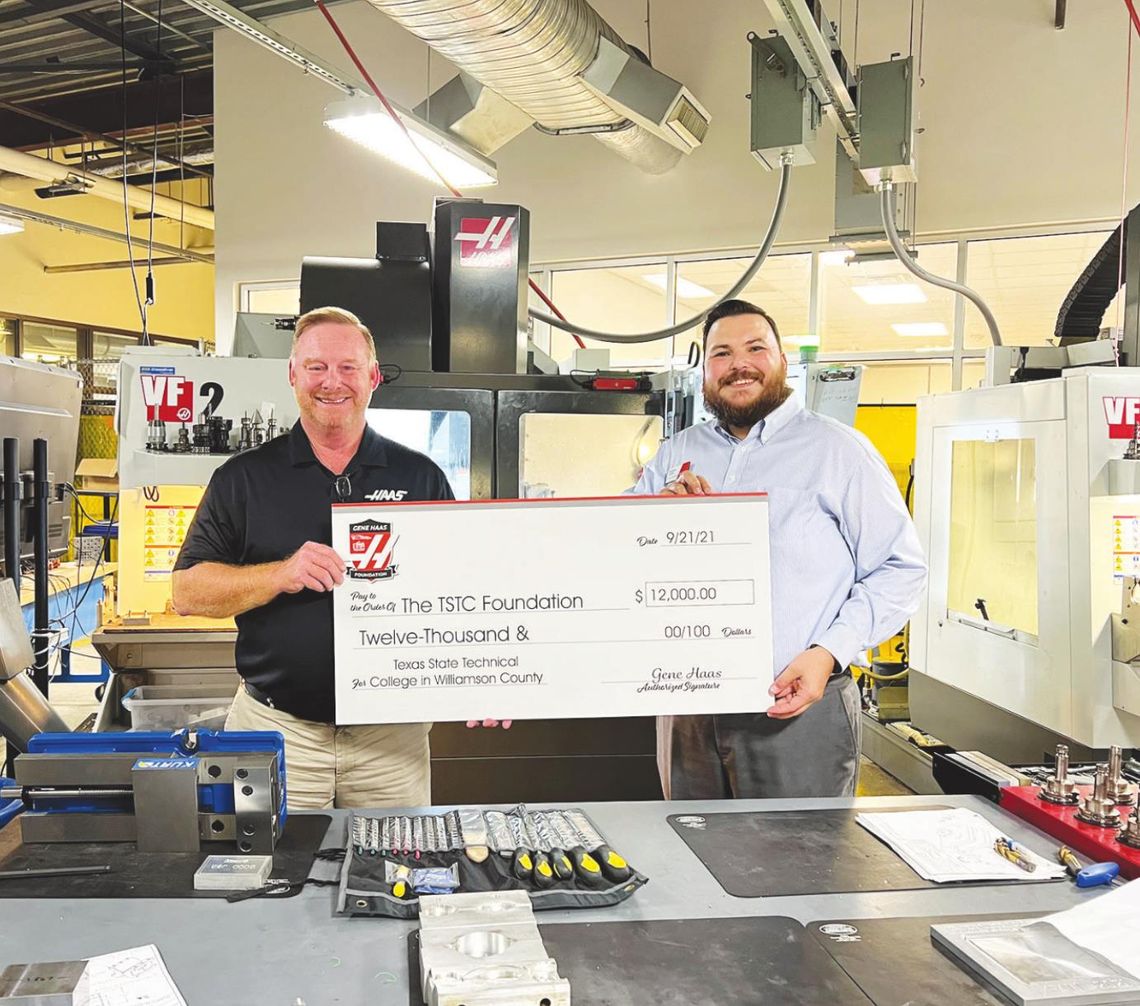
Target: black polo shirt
{"points": [[264, 504]]}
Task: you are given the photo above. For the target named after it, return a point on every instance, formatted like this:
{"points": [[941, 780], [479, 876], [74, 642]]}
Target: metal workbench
{"points": [[278, 952]]}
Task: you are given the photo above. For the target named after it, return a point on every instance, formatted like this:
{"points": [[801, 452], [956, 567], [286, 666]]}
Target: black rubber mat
{"points": [[688, 962], [145, 874], [895, 964], [789, 852]]}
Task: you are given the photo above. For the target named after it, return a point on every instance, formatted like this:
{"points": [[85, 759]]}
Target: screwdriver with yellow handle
{"points": [[400, 881], [587, 868], [559, 861], [613, 864], [543, 870]]}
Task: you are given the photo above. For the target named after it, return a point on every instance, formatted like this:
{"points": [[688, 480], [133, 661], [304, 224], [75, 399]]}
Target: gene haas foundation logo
{"points": [[370, 550], [486, 242], [1122, 414]]}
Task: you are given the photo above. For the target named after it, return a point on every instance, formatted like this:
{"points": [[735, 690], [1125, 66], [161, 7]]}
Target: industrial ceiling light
{"points": [[365, 121], [920, 328], [686, 288], [890, 293], [10, 225]]}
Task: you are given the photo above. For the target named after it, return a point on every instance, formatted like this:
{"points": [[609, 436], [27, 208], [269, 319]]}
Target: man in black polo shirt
{"points": [[258, 550]]}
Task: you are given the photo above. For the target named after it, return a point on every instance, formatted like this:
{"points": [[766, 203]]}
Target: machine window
{"points": [[993, 533]]}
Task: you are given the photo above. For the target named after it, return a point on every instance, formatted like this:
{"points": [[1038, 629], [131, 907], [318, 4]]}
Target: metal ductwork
{"points": [[561, 66]]}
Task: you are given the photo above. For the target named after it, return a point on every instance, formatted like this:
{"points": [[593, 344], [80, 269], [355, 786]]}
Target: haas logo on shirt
{"points": [[370, 550], [386, 495]]}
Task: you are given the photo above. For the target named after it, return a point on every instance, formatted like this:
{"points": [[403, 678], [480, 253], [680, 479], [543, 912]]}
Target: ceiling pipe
{"points": [[203, 255], [50, 171]]}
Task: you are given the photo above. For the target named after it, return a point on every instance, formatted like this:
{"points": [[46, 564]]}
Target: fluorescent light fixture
{"points": [[10, 225], [890, 293], [920, 328], [836, 256], [686, 288], [365, 121]]}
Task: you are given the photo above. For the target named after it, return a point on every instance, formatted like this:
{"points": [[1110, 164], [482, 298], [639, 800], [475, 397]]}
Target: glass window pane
{"points": [[1024, 281], [901, 383], [619, 299], [110, 345], [973, 373], [782, 287], [867, 307], [48, 343], [272, 298], [584, 455], [993, 533], [7, 337], [443, 436]]}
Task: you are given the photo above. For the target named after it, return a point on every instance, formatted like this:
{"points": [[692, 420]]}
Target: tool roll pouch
{"points": [[366, 883]]}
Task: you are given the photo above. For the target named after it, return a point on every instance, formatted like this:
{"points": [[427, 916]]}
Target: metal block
{"points": [[784, 112], [57, 983], [96, 769], [483, 949], [166, 804], [256, 798], [77, 827], [886, 121]]}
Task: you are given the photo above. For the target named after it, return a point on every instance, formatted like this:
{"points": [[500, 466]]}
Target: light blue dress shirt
{"points": [[846, 564]]}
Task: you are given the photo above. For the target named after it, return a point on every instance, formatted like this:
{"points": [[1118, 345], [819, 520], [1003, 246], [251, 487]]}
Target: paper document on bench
{"points": [[952, 845], [137, 976]]}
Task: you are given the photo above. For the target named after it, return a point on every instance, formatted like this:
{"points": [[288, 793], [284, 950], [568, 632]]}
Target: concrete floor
{"points": [[873, 781]]}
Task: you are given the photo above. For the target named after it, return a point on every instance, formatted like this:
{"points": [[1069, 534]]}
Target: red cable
{"points": [[400, 122], [1135, 17]]}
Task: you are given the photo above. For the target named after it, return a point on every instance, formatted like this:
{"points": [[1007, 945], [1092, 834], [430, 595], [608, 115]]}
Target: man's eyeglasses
{"points": [[343, 488]]}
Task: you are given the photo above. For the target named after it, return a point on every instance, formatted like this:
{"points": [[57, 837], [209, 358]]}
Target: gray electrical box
{"points": [[886, 121], [785, 113]]}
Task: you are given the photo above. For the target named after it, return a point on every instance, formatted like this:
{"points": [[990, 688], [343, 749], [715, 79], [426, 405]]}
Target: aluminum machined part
{"points": [[532, 53], [485, 948]]}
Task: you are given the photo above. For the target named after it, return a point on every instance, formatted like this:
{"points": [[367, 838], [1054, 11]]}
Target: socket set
{"points": [[542, 847]]}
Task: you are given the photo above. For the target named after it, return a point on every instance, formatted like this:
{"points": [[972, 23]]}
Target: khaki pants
{"points": [[387, 765]]}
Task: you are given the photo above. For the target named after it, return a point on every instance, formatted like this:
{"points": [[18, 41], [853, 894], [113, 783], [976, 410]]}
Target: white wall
{"points": [[1023, 125]]}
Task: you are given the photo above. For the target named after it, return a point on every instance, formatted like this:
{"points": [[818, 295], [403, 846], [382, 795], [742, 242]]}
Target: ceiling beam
{"points": [[101, 110], [93, 135], [47, 10], [133, 44]]}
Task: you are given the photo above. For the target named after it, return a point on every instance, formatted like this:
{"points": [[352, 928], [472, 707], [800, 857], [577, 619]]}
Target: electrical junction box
{"points": [[784, 112], [886, 121]]}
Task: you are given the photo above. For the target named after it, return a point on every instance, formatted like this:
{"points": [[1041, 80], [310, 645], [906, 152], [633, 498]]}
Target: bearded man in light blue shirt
{"points": [[847, 570]]}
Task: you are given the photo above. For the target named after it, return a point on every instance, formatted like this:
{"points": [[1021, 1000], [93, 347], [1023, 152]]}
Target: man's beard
{"points": [[773, 393]]}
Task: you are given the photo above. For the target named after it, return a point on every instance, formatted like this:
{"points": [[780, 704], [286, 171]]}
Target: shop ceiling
{"points": [[62, 76]]}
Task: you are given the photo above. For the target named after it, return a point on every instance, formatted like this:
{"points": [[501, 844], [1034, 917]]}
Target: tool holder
{"points": [[366, 890]]}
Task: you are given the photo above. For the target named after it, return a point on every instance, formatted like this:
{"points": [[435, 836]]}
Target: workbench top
{"points": [[278, 952]]}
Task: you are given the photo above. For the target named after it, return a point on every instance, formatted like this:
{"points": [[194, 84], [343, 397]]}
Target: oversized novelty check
{"points": [[552, 608]]}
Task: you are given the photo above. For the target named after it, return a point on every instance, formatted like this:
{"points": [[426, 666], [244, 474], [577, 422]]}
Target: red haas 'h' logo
{"points": [[486, 242], [370, 550]]}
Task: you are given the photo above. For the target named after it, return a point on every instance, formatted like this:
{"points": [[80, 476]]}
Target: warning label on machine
{"points": [[1125, 545], [164, 530]]}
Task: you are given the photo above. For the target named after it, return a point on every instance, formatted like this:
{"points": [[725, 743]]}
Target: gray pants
{"points": [[749, 756]]}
